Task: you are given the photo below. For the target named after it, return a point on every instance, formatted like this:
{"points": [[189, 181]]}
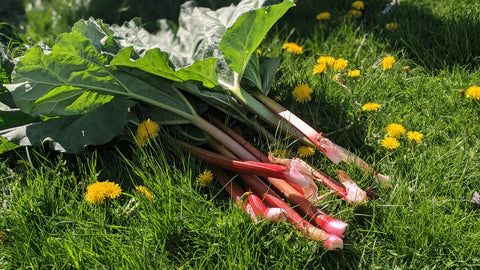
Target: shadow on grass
{"points": [[429, 40], [433, 41]]}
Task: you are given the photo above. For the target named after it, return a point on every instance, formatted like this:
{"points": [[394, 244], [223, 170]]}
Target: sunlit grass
{"points": [[422, 220]]}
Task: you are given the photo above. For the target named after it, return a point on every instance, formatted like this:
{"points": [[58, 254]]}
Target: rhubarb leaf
{"points": [[74, 86], [157, 62], [73, 79], [268, 71], [203, 43], [72, 133], [243, 38]]}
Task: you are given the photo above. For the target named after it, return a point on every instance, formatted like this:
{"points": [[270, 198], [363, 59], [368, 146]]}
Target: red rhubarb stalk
{"points": [[326, 222], [330, 240], [254, 206], [237, 137], [319, 176], [333, 151], [313, 136], [274, 214], [253, 167]]}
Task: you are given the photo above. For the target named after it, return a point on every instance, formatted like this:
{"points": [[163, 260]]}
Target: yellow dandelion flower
{"points": [[205, 178], [395, 130], [259, 52], [391, 26], [324, 16], [354, 73], [340, 64], [302, 93], [371, 107], [390, 143], [388, 62], [473, 92], [147, 130], [145, 192], [292, 48], [326, 60], [305, 151], [415, 136], [111, 189], [95, 193], [319, 68], [358, 5], [354, 13], [99, 191]]}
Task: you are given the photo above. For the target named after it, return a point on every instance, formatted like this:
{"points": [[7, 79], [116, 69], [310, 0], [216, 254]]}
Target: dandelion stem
{"points": [[370, 125]]}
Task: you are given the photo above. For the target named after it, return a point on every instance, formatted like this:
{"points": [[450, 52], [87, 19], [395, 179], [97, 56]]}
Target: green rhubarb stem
{"points": [[237, 137], [309, 132], [261, 110]]}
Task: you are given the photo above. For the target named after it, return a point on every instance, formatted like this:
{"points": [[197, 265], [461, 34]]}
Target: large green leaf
{"points": [[95, 31], [243, 38], [73, 85], [157, 62], [96, 72], [72, 133], [202, 44], [73, 80], [12, 117]]}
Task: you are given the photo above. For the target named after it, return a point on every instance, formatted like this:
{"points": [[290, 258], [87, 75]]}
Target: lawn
{"points": [[423, 218]]}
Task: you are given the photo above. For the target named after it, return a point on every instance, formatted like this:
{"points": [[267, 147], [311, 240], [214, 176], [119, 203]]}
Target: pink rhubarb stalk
{"points": [[330, 240], [324, 221], [313, 136], [275, 214], [254, 207], [355, 195], [333, 151], [306, 169], [252, 167]]}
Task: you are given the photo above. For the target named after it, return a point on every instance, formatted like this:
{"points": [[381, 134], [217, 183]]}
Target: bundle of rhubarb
{"points": [[294, 179], [98, 79]]}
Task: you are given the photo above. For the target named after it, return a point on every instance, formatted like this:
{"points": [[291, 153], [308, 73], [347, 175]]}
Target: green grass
{"points": [[423, 220]]}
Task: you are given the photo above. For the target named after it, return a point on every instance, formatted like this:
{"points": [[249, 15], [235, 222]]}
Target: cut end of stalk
{"points": [[330, 241], [355, 195], [250, 212], [293, 176], [333, 242], [329, 149], [275, 215], [384, 179], [336, 227]]}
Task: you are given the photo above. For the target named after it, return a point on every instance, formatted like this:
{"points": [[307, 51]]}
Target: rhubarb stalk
{"points": [[333, 151], [326, 222]]}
